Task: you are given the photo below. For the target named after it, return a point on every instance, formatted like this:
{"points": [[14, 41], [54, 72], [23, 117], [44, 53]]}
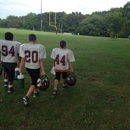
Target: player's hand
{"points": [[43, 73], [20, 71], [18, 65]]}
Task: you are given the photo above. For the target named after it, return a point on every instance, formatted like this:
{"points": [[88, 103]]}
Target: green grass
{"points": [[98, 101]]}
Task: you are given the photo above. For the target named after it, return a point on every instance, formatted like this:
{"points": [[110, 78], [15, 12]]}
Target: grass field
{"points": [[98, 101]]}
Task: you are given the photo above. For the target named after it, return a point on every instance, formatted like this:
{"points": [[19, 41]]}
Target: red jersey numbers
{"points": [[6, 51], [58, 60], [31, 56]]}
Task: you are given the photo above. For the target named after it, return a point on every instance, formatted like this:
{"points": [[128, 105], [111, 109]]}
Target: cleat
{"points": [[64, 86], [54, 92], [25, 100], [35, 94], [10, 90], [5, 84]]}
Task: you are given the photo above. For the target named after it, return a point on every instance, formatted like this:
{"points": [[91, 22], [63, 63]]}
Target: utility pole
{"points": [[41, 15]]}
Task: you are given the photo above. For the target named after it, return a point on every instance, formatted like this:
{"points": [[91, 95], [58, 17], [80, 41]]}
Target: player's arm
{"points": [[42, 67], [21, 64], [42, 55], [71, 67], [19, 59], [0, 60], [54, 63], [53, 57], [71, 59], [18, 53]]}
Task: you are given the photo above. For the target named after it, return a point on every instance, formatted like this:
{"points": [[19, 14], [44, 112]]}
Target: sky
{"points": [[23, 7]]}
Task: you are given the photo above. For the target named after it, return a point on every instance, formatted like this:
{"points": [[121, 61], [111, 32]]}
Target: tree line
{"points": [[114, 22]]}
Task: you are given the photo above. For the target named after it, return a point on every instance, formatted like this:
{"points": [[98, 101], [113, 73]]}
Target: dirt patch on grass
{"points": [[95, 80]]}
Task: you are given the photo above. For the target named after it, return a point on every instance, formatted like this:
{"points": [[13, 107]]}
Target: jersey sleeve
{"points": [[42, 52], [22, 54], [18, 48], [53, 54], [71, 57], [1, 45]]}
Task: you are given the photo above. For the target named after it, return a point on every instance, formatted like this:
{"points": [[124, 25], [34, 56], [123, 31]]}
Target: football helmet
{"points": [[71, 79], [1, 70], [43, 83]]}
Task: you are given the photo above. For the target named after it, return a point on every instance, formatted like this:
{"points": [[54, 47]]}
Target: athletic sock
{"points": [[64, 84], [9, 86], [27, 97], [5, 80]]}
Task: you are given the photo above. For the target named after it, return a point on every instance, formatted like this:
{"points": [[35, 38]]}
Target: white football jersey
{"points": [[9, 50], [62, 57], [32, 54]]}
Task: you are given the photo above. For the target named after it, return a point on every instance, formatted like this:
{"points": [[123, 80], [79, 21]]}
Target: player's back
{"points": [[32, 54], [61, 58], [9, 50]]}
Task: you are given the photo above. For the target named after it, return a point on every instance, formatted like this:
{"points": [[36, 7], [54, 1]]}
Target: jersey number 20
{"points": [[31, 56]]}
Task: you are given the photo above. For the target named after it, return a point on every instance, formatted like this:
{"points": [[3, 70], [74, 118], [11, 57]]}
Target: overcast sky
{"points": [[23, 7]]}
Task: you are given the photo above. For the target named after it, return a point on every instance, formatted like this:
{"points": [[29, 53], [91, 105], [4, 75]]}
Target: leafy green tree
{"points": [[12, 22], [126, 10], [92, 26], [125, 31], [103, 23], [114, 21]]}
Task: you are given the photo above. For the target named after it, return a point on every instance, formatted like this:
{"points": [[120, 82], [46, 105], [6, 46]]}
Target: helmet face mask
{"points": [[43, 83], [71, 79]]}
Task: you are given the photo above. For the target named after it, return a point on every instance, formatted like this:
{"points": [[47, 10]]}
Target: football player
{"points": [[62, 58], [9, 53], [32, 55]]}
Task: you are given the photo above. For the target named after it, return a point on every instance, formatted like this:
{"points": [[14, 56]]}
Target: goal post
{"points": [[52, 25]]}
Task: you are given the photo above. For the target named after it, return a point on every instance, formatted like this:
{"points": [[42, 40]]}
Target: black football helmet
{"points": [[43, 83], [71, 79], [1, 70]]}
